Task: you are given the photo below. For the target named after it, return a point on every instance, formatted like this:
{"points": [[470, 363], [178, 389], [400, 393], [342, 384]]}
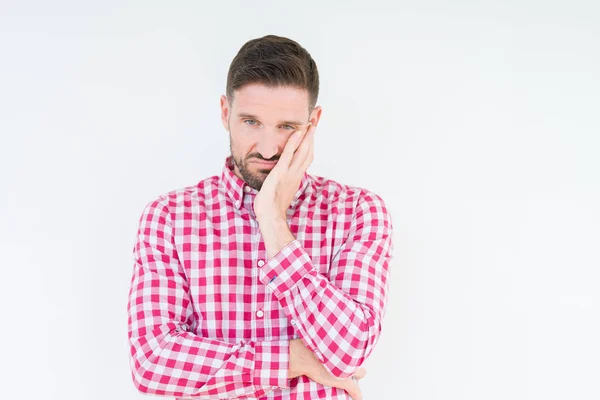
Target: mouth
{"points": [[265, 163]]}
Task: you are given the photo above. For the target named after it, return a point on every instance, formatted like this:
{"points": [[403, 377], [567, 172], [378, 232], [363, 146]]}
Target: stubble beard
{"points": [[254, 180]]}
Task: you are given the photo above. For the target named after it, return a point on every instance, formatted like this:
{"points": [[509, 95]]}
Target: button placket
{"points": [[254, 306]]}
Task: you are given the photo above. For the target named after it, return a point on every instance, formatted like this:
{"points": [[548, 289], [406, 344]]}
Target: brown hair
{"points": [[274, 61]]}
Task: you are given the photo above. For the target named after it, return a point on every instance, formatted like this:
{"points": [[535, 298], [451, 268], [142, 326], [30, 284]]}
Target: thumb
{"points": [[360, 373]]}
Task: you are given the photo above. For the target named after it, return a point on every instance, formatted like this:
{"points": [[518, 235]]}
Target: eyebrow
{"points": [[244, 115]]}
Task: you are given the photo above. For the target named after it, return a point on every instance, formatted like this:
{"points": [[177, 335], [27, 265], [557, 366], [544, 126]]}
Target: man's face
{"points": [[260, 121]]}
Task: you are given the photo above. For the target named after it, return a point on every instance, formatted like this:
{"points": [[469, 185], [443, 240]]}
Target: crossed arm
{"points": [[337, 317]]}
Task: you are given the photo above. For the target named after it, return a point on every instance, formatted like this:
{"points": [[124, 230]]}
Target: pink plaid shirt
{"points": [[211, 317]]}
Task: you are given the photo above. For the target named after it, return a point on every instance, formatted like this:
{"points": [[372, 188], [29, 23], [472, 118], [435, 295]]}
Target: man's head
{"points": [[272, 90]]}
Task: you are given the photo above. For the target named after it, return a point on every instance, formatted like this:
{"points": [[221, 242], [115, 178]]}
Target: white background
{"points": [[477, 123]]}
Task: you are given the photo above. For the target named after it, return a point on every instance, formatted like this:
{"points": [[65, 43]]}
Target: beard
{"points": [[254, 179]]}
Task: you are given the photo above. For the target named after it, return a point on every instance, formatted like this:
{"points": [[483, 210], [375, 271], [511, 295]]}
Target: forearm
{"points": [[339, 331], [337, 323], [184, 364]]}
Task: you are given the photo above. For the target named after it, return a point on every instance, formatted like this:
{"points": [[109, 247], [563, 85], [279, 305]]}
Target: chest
{"points": [[222, 255]]}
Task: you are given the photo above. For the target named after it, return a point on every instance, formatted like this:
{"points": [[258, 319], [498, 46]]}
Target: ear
{"points": [[315, 116], [225, 112]]}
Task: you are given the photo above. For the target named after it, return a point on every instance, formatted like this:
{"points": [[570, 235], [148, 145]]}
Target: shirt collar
{"points": [[234, 185]]}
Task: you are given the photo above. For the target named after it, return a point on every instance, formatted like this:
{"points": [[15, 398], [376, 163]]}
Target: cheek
{"points": [[242, 140]]}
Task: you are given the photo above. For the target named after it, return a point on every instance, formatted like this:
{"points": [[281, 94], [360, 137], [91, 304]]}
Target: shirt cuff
{"points": [[286, 268], [271, 364]]}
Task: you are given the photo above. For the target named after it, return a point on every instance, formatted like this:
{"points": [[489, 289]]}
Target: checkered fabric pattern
{"points": [[211, 317]]}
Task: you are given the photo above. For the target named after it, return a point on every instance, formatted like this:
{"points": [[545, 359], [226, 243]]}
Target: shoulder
{"points": [[336, 193], [175, 200]]}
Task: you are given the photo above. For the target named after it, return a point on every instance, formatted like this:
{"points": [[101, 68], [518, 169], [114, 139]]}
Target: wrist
{"points": [[270, 217], [276, 235]]}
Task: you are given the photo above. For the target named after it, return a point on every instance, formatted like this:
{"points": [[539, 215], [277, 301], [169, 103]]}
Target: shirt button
{"points": [[293, 322], [260, 313], [246, 189], [274, 387], [261, 263]]}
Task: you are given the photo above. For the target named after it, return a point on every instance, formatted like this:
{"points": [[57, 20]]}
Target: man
{"points": [[264, 281]]}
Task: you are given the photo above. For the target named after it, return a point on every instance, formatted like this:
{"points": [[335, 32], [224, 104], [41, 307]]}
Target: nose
{"points": [[268, 145]]}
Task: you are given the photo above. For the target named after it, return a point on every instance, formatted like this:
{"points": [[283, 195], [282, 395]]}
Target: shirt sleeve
{"points": [[338, 316], [166, 358]]}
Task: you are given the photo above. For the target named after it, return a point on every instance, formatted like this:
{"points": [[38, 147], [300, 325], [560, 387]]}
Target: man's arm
{"points": [[167, 359], [338, 317]]}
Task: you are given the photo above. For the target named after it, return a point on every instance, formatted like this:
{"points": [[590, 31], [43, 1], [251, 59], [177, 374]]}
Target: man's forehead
{"points": [[278, 91]]}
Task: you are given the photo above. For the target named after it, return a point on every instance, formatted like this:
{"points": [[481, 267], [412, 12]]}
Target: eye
{"points": [[288, 127], [250, 122]]}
